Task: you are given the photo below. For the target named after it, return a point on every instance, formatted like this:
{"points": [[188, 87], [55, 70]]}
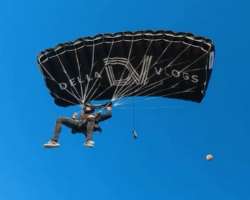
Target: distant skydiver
{"points": [[86, 123]]}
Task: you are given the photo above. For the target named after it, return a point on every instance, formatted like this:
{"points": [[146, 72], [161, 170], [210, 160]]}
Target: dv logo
{"points": [[129, 74]]}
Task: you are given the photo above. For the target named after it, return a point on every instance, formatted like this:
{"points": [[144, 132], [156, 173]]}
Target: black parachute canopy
{"points": [[114, 66]]}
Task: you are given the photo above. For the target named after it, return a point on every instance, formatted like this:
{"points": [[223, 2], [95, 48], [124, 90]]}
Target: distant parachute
{"points": [[114, 66]]}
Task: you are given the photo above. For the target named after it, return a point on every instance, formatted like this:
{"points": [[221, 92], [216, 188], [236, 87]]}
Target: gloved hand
{"points": [[74, 115]]}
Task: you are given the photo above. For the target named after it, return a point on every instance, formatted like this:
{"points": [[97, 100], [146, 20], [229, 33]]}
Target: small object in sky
{"points": [[135, 135], [209, 157]]}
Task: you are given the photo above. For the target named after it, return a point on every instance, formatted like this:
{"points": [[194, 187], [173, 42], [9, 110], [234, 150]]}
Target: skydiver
{"points": [[86, 123]]}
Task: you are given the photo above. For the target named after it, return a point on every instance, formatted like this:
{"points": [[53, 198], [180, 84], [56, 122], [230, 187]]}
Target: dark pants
{"points": [[86, 127]]}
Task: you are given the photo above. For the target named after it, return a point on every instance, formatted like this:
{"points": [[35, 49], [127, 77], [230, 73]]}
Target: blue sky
{"points": [[167, 161]]}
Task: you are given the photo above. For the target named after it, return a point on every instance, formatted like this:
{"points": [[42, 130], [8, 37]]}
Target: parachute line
{"points": [[79, 70], [159, 58], [141, 61], [129, 54], [109, 53], [53, 79], [92, 66], [68, 77]]}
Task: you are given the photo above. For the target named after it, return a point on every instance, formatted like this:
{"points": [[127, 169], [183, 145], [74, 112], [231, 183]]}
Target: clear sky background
{"points": [[167, 161]]}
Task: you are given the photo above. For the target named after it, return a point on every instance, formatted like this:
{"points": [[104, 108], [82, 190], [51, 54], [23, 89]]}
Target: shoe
{"points": [[51, 144], [89, 143]]}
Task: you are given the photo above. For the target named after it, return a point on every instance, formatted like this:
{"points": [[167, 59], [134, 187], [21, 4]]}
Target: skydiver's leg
{"points": [[69, 122], [89, 133], [90, 129]]}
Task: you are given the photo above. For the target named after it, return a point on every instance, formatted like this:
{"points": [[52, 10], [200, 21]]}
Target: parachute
{"points": [[125, 64]]}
